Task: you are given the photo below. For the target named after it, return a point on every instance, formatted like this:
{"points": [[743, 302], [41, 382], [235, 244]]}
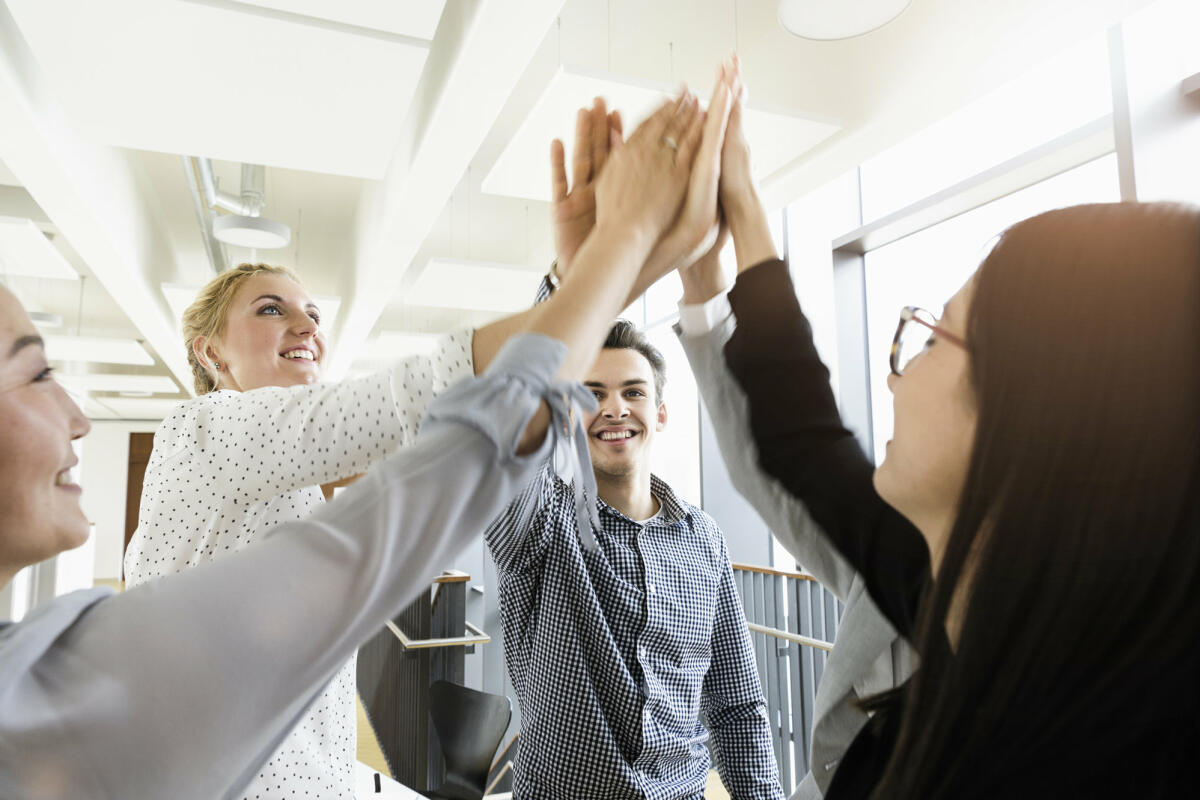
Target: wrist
{"points": [[741, 207], [637, 238], [700, 292], [702, 282]]}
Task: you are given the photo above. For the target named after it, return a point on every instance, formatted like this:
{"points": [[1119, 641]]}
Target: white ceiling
{"points": [[210, 80], [777, 136], [398, 147], [418, 18]]}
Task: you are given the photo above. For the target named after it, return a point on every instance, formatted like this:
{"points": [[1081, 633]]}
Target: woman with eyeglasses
{"points": [[1034, 529]]}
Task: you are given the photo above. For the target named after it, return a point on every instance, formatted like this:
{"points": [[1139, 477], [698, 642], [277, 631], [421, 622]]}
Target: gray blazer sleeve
{"points": [[869, 657], [784, 514], [184, 686]]}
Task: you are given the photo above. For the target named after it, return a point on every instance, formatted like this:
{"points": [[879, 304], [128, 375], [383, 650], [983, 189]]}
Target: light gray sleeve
{"points": [[184, 686], [786, 516]]}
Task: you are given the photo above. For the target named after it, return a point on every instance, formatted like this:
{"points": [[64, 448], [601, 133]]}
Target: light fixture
{"points": [[473, 285], [44, 319], [101, 351], [25, 250], [257, 233], [391, 345], [131, 385], [137, 407], [827, 20], [244, 225]]}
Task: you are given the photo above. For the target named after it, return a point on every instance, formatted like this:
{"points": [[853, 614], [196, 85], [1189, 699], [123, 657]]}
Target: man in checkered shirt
{"points": [[616, 653]]}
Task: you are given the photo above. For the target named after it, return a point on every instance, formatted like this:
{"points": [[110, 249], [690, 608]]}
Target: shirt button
{"points": [[650, 588]]}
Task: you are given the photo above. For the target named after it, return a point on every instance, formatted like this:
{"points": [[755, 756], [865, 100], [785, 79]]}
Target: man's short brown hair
{"points": [[624, 335]]}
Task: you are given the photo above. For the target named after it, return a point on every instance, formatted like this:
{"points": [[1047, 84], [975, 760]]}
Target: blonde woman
{"points": [[252, 450]]}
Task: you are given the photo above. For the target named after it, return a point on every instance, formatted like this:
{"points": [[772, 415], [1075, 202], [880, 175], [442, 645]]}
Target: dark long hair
{"points": [[1078, 529]]}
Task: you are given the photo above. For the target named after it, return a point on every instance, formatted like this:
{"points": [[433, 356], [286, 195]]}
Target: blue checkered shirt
{"points": [[616, 653]]}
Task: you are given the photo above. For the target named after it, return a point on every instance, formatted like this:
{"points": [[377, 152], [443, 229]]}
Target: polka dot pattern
{"points": [[229, 466]]}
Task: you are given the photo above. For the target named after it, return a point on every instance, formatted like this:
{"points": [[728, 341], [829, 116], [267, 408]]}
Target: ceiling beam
{"points": [[90, 193], [478, 54]]}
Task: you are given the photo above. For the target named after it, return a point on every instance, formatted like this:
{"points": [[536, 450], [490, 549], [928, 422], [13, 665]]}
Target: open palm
{"points": [[573, 207]]}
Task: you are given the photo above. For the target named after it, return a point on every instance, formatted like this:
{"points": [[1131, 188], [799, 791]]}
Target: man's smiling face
{"points": [[629, 414]]}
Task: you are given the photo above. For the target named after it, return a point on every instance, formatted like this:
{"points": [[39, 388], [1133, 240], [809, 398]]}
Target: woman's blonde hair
{"points": [[207, 314]]}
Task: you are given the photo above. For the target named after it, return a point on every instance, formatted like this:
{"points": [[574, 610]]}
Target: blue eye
{"points": [[271, 307], [44, 375]]}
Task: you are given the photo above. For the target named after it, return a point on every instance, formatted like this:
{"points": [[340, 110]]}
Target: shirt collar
{"points": [[673, 509]]}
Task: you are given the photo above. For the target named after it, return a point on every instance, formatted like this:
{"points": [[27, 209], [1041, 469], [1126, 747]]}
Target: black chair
{"points": [[469, 725]]}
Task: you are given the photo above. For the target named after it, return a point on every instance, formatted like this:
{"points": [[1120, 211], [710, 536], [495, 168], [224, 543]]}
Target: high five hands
{"points": [[666, 182]]}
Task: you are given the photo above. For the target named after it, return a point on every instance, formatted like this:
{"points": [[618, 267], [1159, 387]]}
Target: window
{"points": [[1050, 100], [925, 269]]}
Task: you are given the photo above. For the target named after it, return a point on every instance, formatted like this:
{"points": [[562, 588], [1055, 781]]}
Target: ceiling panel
{"points": [[474, 285], [417, 18], [99, 382], [776, 136], [211, 81], [25, 250], [97, 350], [130, 407], [6, 176]]}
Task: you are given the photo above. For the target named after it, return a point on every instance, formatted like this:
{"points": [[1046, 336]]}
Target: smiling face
{"points": [[935, 416], [271, 337], [39, 500], [623, 427]]}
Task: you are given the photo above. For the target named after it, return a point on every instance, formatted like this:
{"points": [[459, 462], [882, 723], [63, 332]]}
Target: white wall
{"points": [[1160, 51], [104, 468]]}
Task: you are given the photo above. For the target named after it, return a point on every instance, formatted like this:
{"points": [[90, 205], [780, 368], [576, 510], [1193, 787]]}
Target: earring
{"points": [[216, 365]]}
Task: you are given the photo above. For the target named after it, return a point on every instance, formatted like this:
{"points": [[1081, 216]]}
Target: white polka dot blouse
{"points": [[228, 466]]}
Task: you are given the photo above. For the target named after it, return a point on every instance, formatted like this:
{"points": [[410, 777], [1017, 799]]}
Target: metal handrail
{"points": [[807, 641], [508, 765], [478, 637], [783, 573]]}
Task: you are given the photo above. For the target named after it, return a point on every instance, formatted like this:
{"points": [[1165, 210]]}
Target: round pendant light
{"points": [[257, 233], [827, 20]]}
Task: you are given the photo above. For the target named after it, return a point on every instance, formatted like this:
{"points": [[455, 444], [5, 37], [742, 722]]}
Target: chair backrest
{"points": [[469, 725]]}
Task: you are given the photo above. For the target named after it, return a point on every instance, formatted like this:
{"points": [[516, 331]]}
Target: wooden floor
{"points": [[368, 746]]}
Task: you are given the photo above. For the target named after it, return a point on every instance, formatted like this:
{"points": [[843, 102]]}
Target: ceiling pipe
{"points": [[234, 205], [243, 226], [216, 255]]}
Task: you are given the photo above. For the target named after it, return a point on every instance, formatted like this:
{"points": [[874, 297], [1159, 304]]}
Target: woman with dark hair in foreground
{"points": [[1035, 526], [184, 686]]}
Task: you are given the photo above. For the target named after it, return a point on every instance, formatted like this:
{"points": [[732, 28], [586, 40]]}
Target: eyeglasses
{"points": [[912, 339]]}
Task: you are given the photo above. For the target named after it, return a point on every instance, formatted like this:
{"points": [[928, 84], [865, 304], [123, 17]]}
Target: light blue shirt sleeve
{"points": [[184, 686]]}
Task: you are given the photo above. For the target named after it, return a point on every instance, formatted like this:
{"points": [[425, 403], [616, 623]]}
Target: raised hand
{"points": [[645, 179], [737, 179], [694, 230], [739, 198], [573, 210]]}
